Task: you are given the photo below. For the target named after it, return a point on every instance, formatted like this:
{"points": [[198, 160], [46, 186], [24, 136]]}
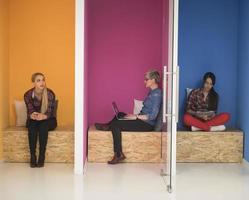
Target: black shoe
{"points": [[33, 161], [103, 127], [41, 164], [41, 161]]}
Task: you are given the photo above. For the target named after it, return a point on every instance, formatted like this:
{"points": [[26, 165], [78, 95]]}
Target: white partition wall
{"points": [[79, 88], [170, 98], [173, 63]]}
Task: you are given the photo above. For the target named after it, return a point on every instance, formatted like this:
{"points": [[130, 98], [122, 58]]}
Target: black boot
{"points": [[103, 127], [33, 161], [107, 126], [41, 160]]}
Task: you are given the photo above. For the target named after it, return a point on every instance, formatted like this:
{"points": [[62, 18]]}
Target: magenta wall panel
{"points": [[125, 38]]}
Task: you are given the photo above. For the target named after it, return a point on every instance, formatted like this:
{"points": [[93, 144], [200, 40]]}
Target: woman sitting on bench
{"points": [[144, 121], [40, 103], [202, 106]]}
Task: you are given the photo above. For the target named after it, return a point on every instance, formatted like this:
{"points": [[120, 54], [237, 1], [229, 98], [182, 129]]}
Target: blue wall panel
{"points": [[208, 42], [243, 73]]}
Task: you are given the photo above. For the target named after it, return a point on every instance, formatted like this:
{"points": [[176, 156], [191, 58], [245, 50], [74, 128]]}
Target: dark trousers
{"points": [[126, 125], [42, 127]]}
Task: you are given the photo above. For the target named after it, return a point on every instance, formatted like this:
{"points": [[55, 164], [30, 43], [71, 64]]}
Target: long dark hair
{"points": [[212, 95]]}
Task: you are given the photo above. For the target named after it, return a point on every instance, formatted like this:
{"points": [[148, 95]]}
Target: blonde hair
{"points": [[154, 74], [44, 105]]}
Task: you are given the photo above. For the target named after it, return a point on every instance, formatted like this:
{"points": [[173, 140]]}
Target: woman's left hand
{"points": [[204, 117], [130, 116]]}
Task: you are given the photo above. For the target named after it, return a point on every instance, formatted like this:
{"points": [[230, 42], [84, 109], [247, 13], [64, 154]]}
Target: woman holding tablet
{"points": [[201, 108]]}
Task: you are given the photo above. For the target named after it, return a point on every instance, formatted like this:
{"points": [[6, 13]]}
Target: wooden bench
{"points": [[217, 147], [137, 146], [225, 147], [60, 147]]}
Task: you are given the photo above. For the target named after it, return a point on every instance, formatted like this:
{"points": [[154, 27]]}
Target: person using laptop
{"points": [[144, 121], [201, 108]]}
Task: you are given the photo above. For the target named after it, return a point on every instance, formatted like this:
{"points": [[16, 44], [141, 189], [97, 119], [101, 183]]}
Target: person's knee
{"points": [[43, 125], [114, 124], [187, 118], [31, 122], [226, 116]]}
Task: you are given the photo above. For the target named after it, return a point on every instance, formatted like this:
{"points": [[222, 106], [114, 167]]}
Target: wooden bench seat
{"points": [[146, 146], [60, 147], [138, 146], [218, 147]]}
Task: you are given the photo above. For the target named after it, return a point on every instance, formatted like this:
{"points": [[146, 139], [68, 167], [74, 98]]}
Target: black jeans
{"points": [[42, 127], [126, 125]]}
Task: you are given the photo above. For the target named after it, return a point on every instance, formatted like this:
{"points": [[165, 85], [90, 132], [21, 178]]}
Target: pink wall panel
{"points": [[125, 38]]}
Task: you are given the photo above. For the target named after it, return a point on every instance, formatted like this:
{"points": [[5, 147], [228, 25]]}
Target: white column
{"points": [[79, 87], [175, 84]]}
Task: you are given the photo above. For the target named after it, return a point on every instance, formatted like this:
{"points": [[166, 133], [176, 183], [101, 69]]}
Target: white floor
{"points": [[124, 181]]}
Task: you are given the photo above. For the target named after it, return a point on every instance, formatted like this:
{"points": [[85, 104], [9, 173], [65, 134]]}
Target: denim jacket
{"points": [[151, 105]]}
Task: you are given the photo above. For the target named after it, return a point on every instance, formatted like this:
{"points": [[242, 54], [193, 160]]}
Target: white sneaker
{"points": [[218, 128], [193, 128]]}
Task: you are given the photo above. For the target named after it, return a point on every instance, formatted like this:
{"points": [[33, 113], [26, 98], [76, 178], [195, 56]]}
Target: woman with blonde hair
{"points": [[144, 121], [40, 103]]}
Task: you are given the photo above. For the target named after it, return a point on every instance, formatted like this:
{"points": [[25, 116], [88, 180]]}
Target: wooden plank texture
{"points": [[225, 147], [137, 146], [60, 147]]}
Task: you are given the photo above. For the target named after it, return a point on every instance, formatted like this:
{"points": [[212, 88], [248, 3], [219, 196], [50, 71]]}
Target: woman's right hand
{"points": [[207, 117], [204, 117], [34, 115]]}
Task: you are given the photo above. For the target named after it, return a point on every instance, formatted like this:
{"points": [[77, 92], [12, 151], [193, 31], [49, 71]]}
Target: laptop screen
{"points": [[115, 108]]}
